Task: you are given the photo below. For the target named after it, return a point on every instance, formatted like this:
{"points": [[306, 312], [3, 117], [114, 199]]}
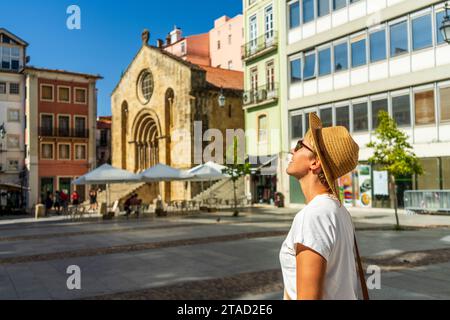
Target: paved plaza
{"points": [[202, 257]]}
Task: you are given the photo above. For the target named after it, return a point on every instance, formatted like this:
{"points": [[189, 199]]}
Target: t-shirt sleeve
{"points": [[317, 231]]}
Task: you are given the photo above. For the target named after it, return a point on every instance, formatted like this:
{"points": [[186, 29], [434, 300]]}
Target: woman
{"points": [[93, 200], [317, 258]]}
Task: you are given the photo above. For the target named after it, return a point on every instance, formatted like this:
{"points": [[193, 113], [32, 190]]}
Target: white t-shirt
{"points": [[327, 228]]}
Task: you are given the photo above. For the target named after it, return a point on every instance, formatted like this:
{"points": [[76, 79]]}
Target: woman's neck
{"points": [[312, 190]]}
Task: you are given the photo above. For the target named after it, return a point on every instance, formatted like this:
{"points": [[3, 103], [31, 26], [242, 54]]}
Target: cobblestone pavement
{"points": [[203, 257]]}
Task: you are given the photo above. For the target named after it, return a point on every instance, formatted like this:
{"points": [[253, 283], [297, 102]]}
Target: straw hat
{"points": [[336, 149]]}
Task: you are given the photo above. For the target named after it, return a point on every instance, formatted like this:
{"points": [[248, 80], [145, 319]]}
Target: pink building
{"points": [[226, 40], [220, 47]]}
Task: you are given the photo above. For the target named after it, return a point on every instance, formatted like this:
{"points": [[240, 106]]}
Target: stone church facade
{"points": [[154, 107]]}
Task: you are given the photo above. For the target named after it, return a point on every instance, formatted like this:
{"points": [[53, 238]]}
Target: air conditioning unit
{"points": [[262, 95], [247, 98]]}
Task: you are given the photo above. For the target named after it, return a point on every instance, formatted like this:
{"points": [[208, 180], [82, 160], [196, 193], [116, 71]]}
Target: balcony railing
{"points": [[63, 133], [262, 95], [259, 45]]}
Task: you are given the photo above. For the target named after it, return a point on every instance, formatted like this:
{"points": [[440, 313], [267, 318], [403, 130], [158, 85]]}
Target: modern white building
{"points": [[12, 117], [349, 59]]}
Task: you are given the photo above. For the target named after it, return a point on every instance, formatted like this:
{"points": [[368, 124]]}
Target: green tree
{"points": [[394, 154], [235, 168]]}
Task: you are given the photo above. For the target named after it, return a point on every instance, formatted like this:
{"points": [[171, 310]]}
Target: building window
{"points": [[294, 14], [325, 61], [399, 39], [445, 103], [254, 79], [64, 151], [439, 19], [218, 45], [270, 76], [341, 57], [326, 115], [343, 117], [296, 70], [262, 129], [2, 87], [297, 126], [80, 127], [47, 151], [378, 46], [360, 117], [425, 108], [230, 65], [230, 39], [253, 33], [13, 165], [47, 92], [14, 88], [268, 18], [422, 32], [377, 107], [6, 57], [103, 138], [339, 4], [323, 7], [80, 95], [307, 121], [80, 152], [309, 69], [63, 126], [64, 94], [13, 141], [46, 125], [359, 51], [401, 109], [13, 115], [308, 11], [146, 86]]}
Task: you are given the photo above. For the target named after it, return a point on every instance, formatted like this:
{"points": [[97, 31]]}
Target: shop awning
{"points": [[263, 165]]}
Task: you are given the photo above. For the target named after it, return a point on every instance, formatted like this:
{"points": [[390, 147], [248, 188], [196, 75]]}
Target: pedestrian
{"points": [[75, 198], [48, 203], [64, 202], [57, 203], [93, 200], [127, 205], [318, 255]]}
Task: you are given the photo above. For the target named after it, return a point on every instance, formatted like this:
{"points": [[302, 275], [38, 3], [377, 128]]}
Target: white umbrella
{"points": [[163, 173], [107, 174], [208, 172]]}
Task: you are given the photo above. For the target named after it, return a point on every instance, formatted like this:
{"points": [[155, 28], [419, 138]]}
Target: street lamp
{"points": [[445, 27], [222, 99]]}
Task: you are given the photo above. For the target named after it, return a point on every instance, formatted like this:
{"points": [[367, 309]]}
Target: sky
{"points": [[110, 33]]}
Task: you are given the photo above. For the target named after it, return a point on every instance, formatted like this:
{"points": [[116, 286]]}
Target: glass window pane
{"points": [[296, 70], [343, 117], [341, 57], [399, 39], [323, 7], [325, 61], [430, 179], [445, 103], [308, 10], [307, 121], [401, 109], [439, 20], [359, 53], [326, 115], [339, 4], [309, 70], [377, 106], [378, 46], [421, 31], [425, 107], [446, 173], [294, 15], [297, 127], [360, 117]]}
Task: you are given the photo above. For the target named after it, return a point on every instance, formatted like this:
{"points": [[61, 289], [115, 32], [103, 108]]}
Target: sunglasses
{"points": [[301, 145]]}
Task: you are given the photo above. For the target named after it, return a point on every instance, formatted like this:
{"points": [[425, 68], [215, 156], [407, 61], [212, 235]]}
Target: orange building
{"points": [[60, 135]]}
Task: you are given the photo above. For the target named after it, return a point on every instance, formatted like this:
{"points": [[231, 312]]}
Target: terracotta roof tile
{"points": [[228, 79]]}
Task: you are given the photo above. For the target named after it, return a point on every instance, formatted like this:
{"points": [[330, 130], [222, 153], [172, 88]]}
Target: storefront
{"points": [[263, 183]]}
